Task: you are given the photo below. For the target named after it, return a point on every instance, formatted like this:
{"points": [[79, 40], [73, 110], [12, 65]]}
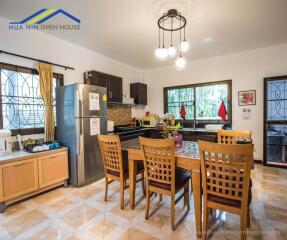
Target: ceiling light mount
{"points": [[172, 15]]}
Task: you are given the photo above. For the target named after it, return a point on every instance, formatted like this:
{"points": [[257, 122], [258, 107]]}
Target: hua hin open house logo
{"points": [[39, 21]]}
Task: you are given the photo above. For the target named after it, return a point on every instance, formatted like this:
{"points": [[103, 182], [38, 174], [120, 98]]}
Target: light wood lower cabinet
{"points": [[52, 169], [19, 178], [29, 176]]}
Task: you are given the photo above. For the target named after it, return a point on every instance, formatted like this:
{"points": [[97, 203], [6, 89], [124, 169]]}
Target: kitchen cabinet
{"points": [[156, 133], [138, 91], [24, 174], [19, 178], [198, 135], [112, 83], [52, 168]]}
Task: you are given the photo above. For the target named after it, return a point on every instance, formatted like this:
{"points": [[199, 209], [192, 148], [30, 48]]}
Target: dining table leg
{"points": [[132, 181], [197, 194]]}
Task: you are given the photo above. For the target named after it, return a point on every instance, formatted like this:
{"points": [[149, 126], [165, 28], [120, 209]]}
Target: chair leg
{"points": [[172, 208], [147, 204], [106, 188], [205, 221], [186, 196], [243, 223], [122, 192], [160, 197], [142, 182], [248, 217]]}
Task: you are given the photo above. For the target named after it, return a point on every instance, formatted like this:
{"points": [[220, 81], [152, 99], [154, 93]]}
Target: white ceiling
{"points": [[126, 30]]}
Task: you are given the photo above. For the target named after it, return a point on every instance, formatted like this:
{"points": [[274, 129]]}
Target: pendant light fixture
{"points": [[180, 62], [184, 45], [175, 22]]}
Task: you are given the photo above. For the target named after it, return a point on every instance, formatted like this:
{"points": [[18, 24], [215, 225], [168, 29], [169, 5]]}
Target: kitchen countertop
{"points": [[196, 130], [188, 130], [160, 129], [22, 155]]}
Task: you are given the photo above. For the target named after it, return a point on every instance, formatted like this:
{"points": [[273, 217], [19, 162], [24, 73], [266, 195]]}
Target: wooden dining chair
{"points": [[226, 180], [161, 174], [116, 164], [231, 136]]}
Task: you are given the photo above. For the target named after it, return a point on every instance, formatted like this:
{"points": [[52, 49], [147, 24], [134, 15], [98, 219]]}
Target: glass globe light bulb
{"points": [[180, 63], [171, 51], [164, 53], [184, 46], [157, 52]]}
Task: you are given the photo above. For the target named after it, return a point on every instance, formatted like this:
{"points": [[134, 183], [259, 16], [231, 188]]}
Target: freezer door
{"points": [[85, 103], [90, 160]]}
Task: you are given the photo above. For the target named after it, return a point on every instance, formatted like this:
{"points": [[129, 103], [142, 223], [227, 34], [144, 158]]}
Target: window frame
{"points": [[17, 68], [200, 121]]}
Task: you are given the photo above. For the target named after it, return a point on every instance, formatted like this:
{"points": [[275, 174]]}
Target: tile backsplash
{"points": [[120, 114]]}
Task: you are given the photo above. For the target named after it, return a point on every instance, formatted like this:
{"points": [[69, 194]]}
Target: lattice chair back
{"points": [[159, 161], [226, 170], [111, 153], [231, 136]]}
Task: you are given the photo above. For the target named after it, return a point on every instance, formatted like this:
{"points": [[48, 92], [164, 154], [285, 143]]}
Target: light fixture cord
{"points": [[180, 35], [158, 37], [163, 32], [184, 34], [171, 32]]}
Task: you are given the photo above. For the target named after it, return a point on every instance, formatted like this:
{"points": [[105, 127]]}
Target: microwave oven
{"points": [[150, 121]]}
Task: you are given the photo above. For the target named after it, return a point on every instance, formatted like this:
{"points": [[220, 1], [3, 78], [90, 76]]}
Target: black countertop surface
{"points": [[160, 129]]}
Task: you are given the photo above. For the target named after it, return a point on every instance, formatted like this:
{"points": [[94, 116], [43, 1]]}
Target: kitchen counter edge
{"points": [[23, 155]]}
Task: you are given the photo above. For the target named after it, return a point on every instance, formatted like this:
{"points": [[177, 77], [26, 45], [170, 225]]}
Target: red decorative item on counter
{"points": [[182, 111], [222, 111]]}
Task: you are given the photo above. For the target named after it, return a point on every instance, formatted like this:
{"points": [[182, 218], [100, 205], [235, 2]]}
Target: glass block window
{"points": [[21, 102], [201, 101], [178, 96], [208, 100]]}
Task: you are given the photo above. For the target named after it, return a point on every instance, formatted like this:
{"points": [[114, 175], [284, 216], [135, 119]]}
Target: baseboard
{"points": [[257, 161]]}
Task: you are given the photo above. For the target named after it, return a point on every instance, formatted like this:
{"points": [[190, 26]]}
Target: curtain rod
{"points": [[39, 60]]}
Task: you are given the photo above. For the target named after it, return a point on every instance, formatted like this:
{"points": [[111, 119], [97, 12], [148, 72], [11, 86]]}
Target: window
{"points": [[175, 99], [201, 101], [22, 108]]}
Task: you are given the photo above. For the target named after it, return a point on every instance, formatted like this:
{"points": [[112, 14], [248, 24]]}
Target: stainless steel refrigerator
{"points": [[81, 115]]}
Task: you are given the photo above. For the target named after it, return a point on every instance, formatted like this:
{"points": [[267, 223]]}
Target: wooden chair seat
{"points": [[228, 201], [181, 178]]}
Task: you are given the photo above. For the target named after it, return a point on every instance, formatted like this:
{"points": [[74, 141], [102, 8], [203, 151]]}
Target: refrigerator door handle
{"points": [[80, 152], [78, 132], [78, 104]]}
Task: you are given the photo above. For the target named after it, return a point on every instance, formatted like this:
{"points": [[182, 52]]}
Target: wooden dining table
{"points": [[186, 157]]}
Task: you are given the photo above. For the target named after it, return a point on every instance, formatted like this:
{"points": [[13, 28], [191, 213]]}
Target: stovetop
{"points": [[125, 128]]}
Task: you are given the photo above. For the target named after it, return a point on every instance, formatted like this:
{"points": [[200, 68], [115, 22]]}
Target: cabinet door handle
{"points": [[111, 94]]}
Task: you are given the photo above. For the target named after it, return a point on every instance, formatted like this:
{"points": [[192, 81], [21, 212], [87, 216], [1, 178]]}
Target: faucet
{"points": [[194, 123]]}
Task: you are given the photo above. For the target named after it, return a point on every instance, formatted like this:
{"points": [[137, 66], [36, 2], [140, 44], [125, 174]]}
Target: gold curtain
{"points": [[46, 77]]}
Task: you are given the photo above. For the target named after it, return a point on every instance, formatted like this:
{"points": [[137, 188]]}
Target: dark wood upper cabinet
{"points": [[113, 84], [138, 91]]}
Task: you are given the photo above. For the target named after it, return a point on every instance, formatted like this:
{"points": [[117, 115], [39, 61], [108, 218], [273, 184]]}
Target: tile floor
{"points": [[81, 213]]}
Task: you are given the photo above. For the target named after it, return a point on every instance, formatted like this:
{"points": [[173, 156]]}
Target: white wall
{"points": [[246, 69], [43, 46]]}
